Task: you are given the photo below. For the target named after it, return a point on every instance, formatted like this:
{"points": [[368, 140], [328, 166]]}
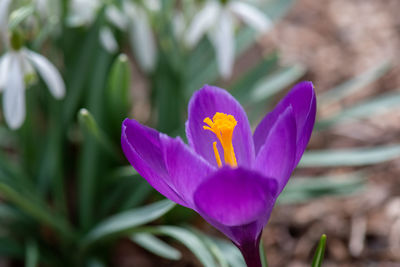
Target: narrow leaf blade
{"points": [[350, 157], [190, 240], [319, 253], [127, 221], [156, 246]]}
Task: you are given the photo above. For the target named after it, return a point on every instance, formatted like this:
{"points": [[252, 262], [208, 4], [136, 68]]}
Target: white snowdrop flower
{"points": [[83, 12], [15, 65], [178, 25], [42, 6], [217, 20], [131, 18], [107, 39], [48, 9], [116, 17], [153, 5], [141, 36]]}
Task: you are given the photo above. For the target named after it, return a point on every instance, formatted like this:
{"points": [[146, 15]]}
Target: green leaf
{"points": [[275, 9], [118, 99], [78, 72], [37, 211], [212, 247], [125, 222], [350, 157], [366, 109], [91, 165], [231, 252], [263, 257], [123, 172], [156, 246], [32, 254], [7, 214], [351, 86], [241, 87], [275, 82], [19, 15], [89, 124], [303, 189], [189, 239], [96, 263], [319, 253], [10, 248], [138, 195]]}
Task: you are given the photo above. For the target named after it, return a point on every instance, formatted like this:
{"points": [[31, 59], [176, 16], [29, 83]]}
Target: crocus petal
{"points": [[302, 99], [205, 103], [107, 39], [251, 16], [166, 163], [14, 95], [235, 197], [49, 73], [4, 67], [186, 170], [202, 22], [142, 148], [277, 155], [224, 43], [142, 40]]}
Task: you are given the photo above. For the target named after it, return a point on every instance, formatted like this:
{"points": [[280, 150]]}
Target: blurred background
{"points": [[69, 197]]}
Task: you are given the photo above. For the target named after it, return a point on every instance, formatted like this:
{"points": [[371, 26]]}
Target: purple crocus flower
{"points": [[234, 192]]}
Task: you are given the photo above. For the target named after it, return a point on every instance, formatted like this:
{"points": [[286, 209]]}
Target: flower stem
{"points": [[251, 253]]}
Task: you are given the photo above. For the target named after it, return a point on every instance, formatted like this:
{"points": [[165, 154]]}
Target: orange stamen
{"points": [[222, 125]]}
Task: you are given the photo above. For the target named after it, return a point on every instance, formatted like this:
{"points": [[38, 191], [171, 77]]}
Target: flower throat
{"points": [[222, 125]]}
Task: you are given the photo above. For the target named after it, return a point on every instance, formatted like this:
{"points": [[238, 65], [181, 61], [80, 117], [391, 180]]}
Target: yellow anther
{"points": [[222, 125]]}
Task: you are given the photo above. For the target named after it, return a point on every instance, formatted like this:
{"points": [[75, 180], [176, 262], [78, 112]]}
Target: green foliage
{"points": [[156, 246], [126, 222]]}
